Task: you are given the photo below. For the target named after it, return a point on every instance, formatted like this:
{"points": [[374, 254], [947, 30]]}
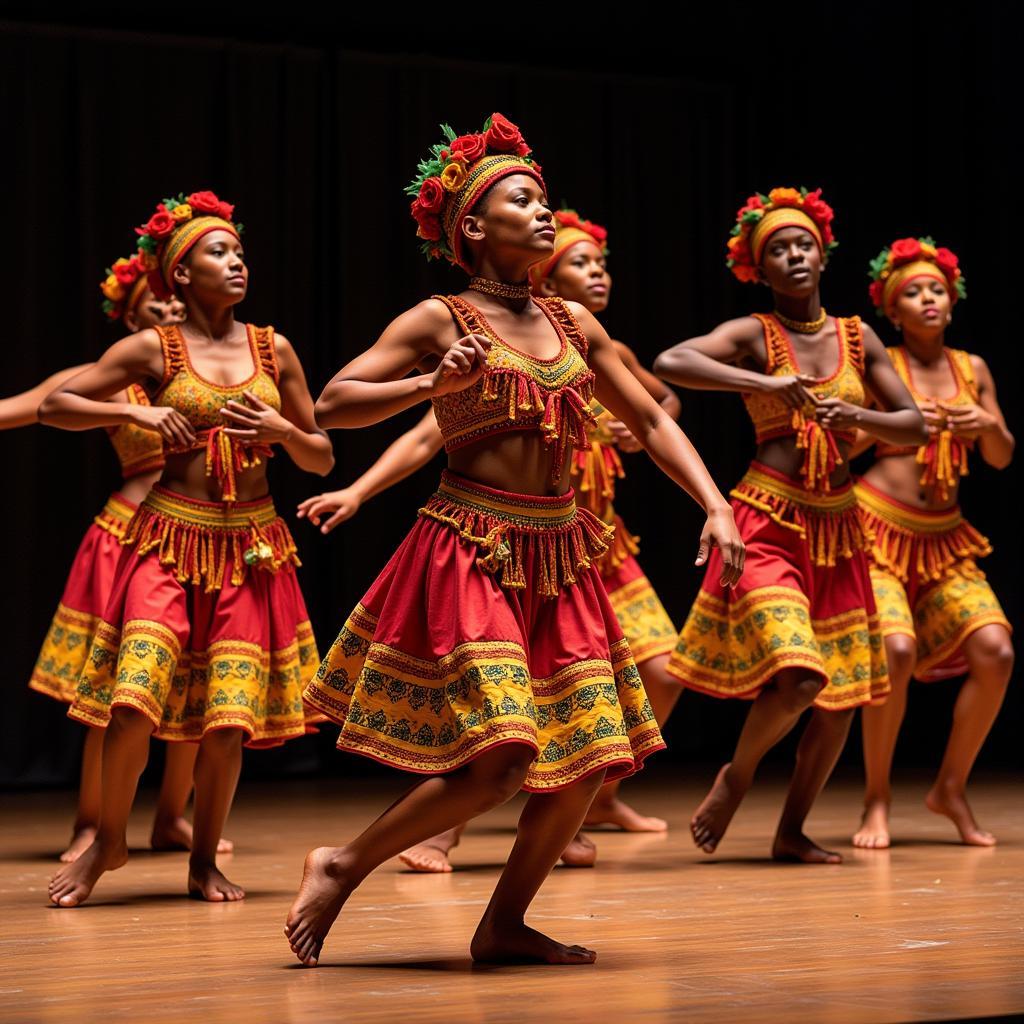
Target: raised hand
{"points": [[793, 389], [720, 532], [967, 421], [256, 421], [175, 430], [461, 366], [835, 414], [337, 505]]}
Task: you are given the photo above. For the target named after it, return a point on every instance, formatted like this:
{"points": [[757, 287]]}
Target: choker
{"points": [[500, 288], [800, 326]]}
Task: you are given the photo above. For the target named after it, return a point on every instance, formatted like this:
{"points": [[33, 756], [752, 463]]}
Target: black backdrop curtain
{"points": [[313, 143]]}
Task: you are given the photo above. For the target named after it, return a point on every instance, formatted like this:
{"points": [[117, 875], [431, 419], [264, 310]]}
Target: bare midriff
{"points": [[899, 476], [185, 474], [782, 455], [518, 461]]}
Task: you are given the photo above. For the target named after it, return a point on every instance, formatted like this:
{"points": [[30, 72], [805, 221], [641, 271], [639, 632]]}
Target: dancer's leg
{"points": [[171, 829], [547, 823], [816, 756], [881, 728], [607, 809], [218, 765], [437, 804], [90, 786], [772, 715], [989, 654], [431, 856], [125, 750]]}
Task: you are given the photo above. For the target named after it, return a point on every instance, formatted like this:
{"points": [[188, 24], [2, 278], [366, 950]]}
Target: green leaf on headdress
{"points": [[449, 132], [107, 306], [487, 123], [751, 216], [764, 199], [239, 228], [877, 265], [146, 244], [108, 271], [736, 229], [171, 203], [927, 240], [961, 288]]}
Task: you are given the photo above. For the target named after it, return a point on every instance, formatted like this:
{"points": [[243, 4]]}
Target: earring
{"points": [[949, 318]]}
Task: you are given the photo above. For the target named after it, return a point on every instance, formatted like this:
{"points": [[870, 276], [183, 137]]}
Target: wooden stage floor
{"points": [[929, 930]]}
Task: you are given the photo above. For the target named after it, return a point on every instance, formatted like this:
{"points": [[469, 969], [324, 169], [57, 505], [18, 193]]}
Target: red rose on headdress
{"points": [[568, 218], [428, 224], [817, 209], [875, 291], [126, 272], [752, 203], [947, 262], [205, 202], [161, 224], [432, 195], [504, 137], [598, 232], [905, 249], [472, 147], [225, 210]]}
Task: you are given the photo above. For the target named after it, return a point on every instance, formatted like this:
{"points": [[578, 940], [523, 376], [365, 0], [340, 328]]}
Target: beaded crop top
{"points": [[518, 391], [138, 451], [200, 401], [943, 456], [773, 418]]}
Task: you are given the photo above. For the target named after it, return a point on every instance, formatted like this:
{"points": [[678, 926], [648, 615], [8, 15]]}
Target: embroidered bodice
{"points": [[200, 401], [518, 391], [943, 456], [773, 418], [138, 451]]}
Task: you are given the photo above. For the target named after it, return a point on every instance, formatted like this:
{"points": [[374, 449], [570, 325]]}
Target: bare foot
{"points": [[176, 834], [580, 853], [81, 840], [621, 815], [72, 885], [712, 818], [873, 833], [322, 893], [799, 849], [207, 882], [432, 856], [515, 943], [953, 804]]}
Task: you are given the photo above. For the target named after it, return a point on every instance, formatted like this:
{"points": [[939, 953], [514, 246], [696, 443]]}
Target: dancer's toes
{"points": [[873, 833], [322, 893], [515, 943], [621, 815], [952, 803], [81, 840], [176, 834], [580, 853], [206, 882], [797, 848], [712, 818], [73, 884], [426, 858]]}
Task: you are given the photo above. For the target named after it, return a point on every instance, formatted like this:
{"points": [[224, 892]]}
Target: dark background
{"points": [[903, 114]]}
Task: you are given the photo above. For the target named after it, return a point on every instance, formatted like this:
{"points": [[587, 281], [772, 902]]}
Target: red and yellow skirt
{"points": [[205, 627], [804, 600], [490, 625], [642, 616], [926, 583], [71, 633]]}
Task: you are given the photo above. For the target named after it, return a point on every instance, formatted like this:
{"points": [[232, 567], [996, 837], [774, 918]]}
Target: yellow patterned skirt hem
{"points": [[64, 654], [643, 619]]}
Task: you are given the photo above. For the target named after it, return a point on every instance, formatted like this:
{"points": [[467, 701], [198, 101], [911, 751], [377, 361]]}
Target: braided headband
{"points": [[182, 240], [777, 219]]}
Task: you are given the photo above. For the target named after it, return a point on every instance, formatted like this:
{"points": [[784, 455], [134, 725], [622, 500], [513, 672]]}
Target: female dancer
{"points": [[801, 627], [486, 654], [576, 271], [128, 298], [205, 637], [938, 614]]}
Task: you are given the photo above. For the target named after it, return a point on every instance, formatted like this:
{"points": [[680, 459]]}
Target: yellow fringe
{"points": [[563, 547], [115, 516], [624, 544], [594, 474], [945, 460], [831, 528]]}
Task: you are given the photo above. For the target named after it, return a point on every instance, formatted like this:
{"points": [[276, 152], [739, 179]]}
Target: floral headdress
{"points": [[456, 174], [762, 215], [123, 287], [174, 228], [570, 228], [907, 258]]}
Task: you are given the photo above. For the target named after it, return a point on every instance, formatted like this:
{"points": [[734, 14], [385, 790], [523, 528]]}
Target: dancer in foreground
{"points": [[800, 629], [938, 614], [486, 655], [577, 272], [128, 299], [205, 638]]}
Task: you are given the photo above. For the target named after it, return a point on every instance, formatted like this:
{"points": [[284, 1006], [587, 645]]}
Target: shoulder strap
{"points": [[776, 353], [266, 351], [563, 316], [174, 354], [962, 365], [137, 395], [462, 313], [853, 338]]}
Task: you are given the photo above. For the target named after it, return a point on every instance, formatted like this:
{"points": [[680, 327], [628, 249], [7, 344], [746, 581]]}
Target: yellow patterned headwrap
{"points": [[777, 219], [184, 238], [902, 276], [570, 229]]}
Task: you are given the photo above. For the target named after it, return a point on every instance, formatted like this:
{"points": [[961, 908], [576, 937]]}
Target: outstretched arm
{"points": [[23, 410], [294, 427], [620, 391], [414, 449], [657, 389]]}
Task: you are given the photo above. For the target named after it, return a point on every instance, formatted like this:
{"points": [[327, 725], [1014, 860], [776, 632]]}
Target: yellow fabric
{"points": [[902, 276], [777, 219], [643, 619]]}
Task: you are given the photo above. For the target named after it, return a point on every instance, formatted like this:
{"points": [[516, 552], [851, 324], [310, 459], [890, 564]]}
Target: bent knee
{"points": [[901, 656], [223, 740], [799, 691], [990, 652], [126, 719], [501, 775]]}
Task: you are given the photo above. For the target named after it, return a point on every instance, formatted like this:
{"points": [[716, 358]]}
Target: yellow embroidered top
{"points": [[518, 391], [595, 470], [200, 401], [773, 418], [138, 451], [944, 456]]}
